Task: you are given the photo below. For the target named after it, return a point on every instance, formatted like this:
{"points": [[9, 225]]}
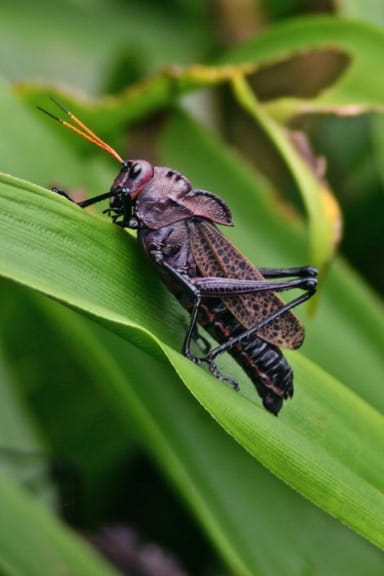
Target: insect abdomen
{"points": [[264, 363]]}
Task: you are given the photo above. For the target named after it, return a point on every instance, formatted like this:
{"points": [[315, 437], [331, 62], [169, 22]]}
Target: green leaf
{"points": [[327, 442], [357, 90], [87, 52], [236, 499], [54, 247], [371, 11], [21, 443], [32, 540], [51, 391], [323, 212]]}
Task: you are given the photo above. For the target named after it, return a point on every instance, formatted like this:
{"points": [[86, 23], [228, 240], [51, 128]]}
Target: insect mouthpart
{"points": [[119, 201]]}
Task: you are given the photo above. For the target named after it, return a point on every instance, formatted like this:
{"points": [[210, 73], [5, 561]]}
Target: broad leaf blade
{"points": [[237, 500], [357, 90], [32, 540], [71, 272]]}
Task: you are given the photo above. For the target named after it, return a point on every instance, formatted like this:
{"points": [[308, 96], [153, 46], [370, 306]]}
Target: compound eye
{"points": [[135, 171]]}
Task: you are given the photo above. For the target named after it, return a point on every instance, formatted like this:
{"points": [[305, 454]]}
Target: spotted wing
{"points": [[216, 256]]}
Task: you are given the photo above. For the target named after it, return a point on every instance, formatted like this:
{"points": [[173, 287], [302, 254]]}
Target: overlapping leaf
{"points": [[67, 267], [327, 442]]}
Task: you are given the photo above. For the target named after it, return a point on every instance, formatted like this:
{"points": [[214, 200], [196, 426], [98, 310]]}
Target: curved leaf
{"points": [[44, 542], [238, 501], [56, 248], [357, 90]]}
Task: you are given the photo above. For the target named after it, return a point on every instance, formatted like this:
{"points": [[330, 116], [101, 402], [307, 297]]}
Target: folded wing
{"points": [[216, 256]]}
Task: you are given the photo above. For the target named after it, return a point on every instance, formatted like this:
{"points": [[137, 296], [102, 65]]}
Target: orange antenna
{"points": [[83, 131]]}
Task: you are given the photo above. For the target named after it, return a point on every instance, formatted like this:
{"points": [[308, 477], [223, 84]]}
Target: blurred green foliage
{"points": [[105, 401]]}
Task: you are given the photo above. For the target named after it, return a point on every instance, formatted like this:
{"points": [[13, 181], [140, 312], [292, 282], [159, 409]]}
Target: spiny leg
{"points": [[191, 332], [214, 287], [203, 343], [212, 367], [299, 271], [247, 333], [210, 286], [63, 193]]}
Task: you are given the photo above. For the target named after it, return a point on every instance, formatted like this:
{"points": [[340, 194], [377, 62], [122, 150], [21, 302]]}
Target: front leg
{"points": [[63, 193], [117, 217], [83, 203]]}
